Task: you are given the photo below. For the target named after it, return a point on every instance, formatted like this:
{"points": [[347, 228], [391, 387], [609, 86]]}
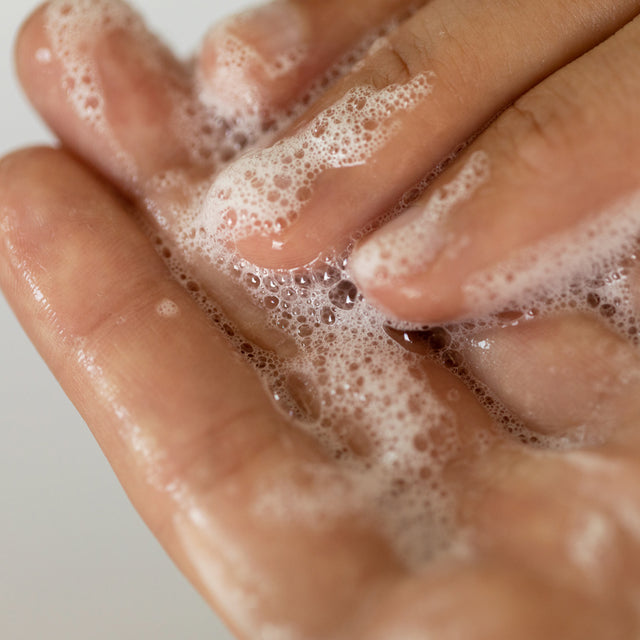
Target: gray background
{"points": [[76, 561]]}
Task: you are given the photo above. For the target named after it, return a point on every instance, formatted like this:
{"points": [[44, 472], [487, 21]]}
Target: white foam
{"points": [[356, 392], [231, 87], [264, 191], [413, 242], [167, 308], [71, 27], [573, 258]]}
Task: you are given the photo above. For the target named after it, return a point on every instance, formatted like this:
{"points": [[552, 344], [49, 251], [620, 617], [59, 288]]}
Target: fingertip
{"points": [[250, 63], [110, 90], [412, 302], [15, 167], [416, 297], [31, 170], [31, 46], [36, 209], [290, 251], [25, 170]]}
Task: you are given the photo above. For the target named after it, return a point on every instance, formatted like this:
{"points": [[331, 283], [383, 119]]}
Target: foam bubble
{"points": [[167, 308]]}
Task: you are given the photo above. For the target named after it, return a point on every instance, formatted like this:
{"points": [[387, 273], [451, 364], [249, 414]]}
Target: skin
{"points": [[553, 535]]}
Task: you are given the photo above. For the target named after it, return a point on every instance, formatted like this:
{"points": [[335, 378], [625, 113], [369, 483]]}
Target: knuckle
{"points": [[17, 168], [536, 128], [392, 62], [228, 449]]}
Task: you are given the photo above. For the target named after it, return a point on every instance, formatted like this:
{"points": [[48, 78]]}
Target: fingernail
{"points": [[408, 244], [247, 52], [402, 246]]}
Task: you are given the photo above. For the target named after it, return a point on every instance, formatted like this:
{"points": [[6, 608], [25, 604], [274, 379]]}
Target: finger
{"points": [[548, 191], [114, 94], [568, 375], [260, 62], [185, 424], [421, 92]]}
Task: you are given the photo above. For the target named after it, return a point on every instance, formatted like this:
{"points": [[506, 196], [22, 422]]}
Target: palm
{"points": [[546, 549]]}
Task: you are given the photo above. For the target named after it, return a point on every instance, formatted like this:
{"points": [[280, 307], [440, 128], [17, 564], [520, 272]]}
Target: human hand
{"points": [[120, 361]]}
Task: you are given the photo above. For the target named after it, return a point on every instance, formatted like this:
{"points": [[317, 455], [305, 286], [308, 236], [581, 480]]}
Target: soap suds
{"points": [[167, 308], [263, 192], [409, 244], [567, 262], [70, 27], [230, 88]]}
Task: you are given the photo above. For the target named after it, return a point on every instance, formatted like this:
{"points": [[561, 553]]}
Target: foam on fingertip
{"points": [[167, 308], [248, 52], [264, 191], [71, 28], [409, 243]]}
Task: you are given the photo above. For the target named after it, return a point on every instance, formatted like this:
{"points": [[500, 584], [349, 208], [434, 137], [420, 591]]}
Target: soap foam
{"points": [[363, 398], [70, 27], [230, 90], [392, 255], [167, 308], [565, 264], [264, 191]]}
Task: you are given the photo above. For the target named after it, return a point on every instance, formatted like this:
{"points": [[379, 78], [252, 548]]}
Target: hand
{"points": [[198, 460]]}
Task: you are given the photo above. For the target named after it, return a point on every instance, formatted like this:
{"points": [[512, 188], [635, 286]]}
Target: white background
{"points": [[76, 561]]}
